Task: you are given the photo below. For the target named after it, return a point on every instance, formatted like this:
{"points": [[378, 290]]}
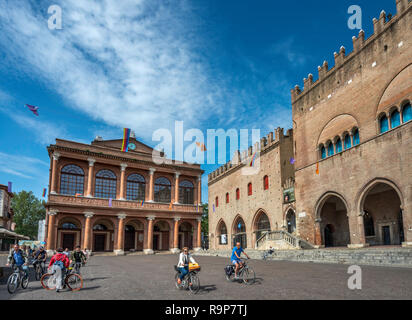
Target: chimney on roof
{"points": [[98, 138]]}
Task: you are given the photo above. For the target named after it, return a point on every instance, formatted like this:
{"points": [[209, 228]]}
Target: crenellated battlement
{"points": [[343, 71], [243, 158]]}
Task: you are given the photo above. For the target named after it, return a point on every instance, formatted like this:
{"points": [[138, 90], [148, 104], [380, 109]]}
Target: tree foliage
{"points": [[28, 211], [205, 219]]}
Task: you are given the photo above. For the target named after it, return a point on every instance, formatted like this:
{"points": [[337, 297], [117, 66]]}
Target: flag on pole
{"points": [[78, 195], [110, 202], [213, 208], [33, 109], [44, 192], [201, 146], [142, 203], [126, 138], [9, 188], [317, 168], [252, 162]]}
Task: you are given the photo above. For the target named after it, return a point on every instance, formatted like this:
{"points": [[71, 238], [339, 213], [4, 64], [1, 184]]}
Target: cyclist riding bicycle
{"points": [[235, 258], [59, 264], [183, 265], [17, 257], [78, 257], [40, 256]]}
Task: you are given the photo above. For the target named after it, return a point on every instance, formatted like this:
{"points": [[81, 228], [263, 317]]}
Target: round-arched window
{"points": [[72, 180], [162, 190], [136, 186], [106, 183], [186, 192]]}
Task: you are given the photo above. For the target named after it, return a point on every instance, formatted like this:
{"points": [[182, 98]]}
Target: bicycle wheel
{"points": [[25, 282], [178, 286], [48, 281], [38, 273], [248, 276], [230, 278], [194, 280], [12, 283], [74, 281]]}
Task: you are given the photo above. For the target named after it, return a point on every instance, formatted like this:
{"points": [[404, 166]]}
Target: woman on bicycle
{"points": [[183, 264], [58, 264]]}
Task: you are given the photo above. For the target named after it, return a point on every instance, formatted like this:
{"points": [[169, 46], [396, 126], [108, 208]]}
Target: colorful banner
{"points": [[44, 192], [126, 138], [9, 188]]}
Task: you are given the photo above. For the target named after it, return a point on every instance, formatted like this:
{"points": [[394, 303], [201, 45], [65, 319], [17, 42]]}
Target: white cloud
{"points": [[287, 49], [23, 166], [128, 63]]}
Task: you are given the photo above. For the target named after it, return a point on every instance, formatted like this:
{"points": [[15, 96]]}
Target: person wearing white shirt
{"points": [[184, 258]]}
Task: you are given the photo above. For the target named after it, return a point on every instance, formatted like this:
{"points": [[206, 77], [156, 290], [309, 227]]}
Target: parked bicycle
{"points": [[17, 278], [39, 269], [72, 280], [191, 278], [245, 273]]}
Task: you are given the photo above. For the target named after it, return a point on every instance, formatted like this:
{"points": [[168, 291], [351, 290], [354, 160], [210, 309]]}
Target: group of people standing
{"points": [[58, 265]]}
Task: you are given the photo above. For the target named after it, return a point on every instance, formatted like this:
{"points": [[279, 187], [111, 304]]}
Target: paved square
{"points": [[152, 277]]}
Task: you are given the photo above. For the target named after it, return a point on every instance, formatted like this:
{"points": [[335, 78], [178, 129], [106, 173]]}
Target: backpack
{"points": [[60, 264], [229, 270]]}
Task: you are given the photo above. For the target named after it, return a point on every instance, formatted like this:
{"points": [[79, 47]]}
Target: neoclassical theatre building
{"points": [[352, 138], [104, 199], [245, 201], [351, 181]]}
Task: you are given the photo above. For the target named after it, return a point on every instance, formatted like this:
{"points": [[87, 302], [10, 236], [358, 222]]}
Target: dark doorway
{"points": [[99, 240], [129, 238], [155, 242], [240, 238], [180, 241], [68, 241], [386, 235], [329, 236]]}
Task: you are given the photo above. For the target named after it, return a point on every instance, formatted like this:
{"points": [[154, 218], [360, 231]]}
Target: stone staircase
{"points": [[281, 240], [388, 257]]}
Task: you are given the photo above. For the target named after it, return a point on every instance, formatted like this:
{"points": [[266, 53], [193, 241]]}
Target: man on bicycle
{"points": [[78, 257], [183, 264], [40, 256], [18, 257], [235, 258]]}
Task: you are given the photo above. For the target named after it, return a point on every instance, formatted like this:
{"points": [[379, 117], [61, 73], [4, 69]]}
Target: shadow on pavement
{"points": [[94, 279], [207, 289]]}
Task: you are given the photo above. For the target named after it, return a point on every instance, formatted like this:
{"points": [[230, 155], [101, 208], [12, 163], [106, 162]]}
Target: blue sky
{"points": [[144, 64]]}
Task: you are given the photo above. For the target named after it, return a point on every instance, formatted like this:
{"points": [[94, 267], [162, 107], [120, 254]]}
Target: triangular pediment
{"points": [[134, 145]]}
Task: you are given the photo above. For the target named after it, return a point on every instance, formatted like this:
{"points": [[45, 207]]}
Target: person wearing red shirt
{"points": [[58, 265]]}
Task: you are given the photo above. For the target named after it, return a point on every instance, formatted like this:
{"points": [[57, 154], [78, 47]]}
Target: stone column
{"points": [[175, 248], [88, 231], [199, 190], [122, 195], [318, 235], [53, 183], [199, 235], [51, 232], [151, 185], [89, 192], [120, 235], [407, 224], [177, 175], [149, 249], [357, 231]]}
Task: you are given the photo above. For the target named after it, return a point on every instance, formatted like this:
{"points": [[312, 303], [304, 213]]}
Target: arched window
{"points": [[249, 189], [338, 145], [323, 152], [217, 202], [395, 119], [291, 221], [369, 225], [348, 142], [407, 113], [240, 233], [100, 227], [69, 226], [331, 150], [356, 138], [265, 182], [237, 194], [223, 234], [72, 180], [383, 124], [227, 197], [240, 226], [263, 225], [163, 190], [186, 192], [105, 184], [136, 186]]}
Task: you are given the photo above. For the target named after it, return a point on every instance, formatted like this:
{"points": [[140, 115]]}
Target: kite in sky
{"points": [[201, 146], [33, 109]]}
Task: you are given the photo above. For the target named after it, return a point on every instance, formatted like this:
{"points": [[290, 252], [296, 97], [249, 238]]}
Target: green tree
{"points": [[205, 219], [28, 211]]}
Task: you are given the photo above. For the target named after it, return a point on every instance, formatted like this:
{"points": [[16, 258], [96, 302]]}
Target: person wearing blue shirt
{"points": [[235, 258], [18, 258]]}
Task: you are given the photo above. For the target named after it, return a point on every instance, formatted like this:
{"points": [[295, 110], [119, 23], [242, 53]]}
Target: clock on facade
{"points": [[132, 146]]}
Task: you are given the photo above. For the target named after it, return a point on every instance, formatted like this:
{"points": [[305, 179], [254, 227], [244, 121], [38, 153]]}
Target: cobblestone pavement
{"points": [[152, 277]]}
